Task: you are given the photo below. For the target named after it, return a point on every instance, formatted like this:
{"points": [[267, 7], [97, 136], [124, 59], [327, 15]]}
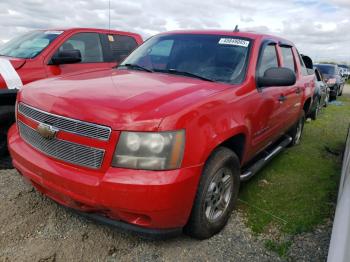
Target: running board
{"points": [[259, 164]]}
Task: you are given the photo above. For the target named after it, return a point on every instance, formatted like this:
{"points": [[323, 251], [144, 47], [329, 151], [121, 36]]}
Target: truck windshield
{"points": [[28, 45], [326, 69], [207, 57]]}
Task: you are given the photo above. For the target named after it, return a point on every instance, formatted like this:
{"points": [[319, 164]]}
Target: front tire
{"points": [[3, 142], [7, 118], [216, 195], [314, 113], [297, 130]]}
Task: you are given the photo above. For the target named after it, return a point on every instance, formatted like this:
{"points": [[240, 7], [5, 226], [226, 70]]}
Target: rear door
{"points": [[119, 46], [292, 94], [93, 53]]}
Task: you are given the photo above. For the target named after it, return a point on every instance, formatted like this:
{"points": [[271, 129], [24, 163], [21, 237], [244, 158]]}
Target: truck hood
{"points": [[121, 99]]}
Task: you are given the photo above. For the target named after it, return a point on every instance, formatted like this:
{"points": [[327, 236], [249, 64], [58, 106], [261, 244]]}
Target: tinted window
{"points": [[303, 67], [214, 57], [318, 75], [268, 59], [88, 44], [29, 45], [288, 59], [121, 46], [327, 69]]}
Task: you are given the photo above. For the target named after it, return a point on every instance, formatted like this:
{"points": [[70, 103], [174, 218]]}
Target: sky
{"points": [[319, 28]]}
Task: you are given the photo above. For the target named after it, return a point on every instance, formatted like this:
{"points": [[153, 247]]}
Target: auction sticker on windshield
{"points": [[9, 74], [53, 32], [233, 41]]}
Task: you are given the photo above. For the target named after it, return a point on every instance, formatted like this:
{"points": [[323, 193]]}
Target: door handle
{"points": [[298, 90], [282, 98]]}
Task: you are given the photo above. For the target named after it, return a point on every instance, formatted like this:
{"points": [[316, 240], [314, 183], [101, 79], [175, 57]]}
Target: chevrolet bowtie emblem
{"points": [[47, 131]]}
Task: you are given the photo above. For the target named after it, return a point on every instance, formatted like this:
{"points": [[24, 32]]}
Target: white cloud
{"points": [[318, 27]]}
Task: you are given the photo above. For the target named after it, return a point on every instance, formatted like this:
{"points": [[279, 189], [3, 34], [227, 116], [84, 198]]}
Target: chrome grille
{"points": [[60, 149], [66, 124]]}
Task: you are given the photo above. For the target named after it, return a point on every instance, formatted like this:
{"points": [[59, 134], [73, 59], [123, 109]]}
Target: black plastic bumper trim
{"points": [[146, 233]]}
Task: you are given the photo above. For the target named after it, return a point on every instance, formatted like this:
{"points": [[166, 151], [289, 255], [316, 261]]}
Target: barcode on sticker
{"points": [[233, 41], [53, 32]]}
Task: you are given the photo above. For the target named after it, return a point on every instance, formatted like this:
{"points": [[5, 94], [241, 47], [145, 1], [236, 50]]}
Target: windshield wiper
{"points": [[184, 73], [136, 66]]}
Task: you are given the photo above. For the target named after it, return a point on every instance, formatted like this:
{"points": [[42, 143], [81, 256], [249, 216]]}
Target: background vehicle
{"points": [[333, 79], [47, 53], [346, 71], [184, 119], [321, 95]]}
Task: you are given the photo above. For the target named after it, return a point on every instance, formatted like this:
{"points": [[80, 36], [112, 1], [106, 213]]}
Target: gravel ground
{"points": [[34, 228], [312, 246]]}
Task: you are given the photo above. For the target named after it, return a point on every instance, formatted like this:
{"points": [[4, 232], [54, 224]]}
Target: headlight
{"points": [[150, 150]]}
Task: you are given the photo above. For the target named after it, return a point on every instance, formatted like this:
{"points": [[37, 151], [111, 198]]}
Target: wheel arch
{"points": [[307, 105], [236, 141]]}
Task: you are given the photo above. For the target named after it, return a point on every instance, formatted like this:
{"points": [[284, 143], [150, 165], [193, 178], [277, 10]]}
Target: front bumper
{"points": [[155, 200]]}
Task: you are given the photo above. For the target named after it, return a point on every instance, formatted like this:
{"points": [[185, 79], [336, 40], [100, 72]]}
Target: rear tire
{"points": [[314, 113], [326, 100], [216, 195], [340, 92], [334, 96], [297, 130]]}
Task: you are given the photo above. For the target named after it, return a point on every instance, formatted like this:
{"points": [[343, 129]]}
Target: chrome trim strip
{"points": [[105, 128], [92, 156]]}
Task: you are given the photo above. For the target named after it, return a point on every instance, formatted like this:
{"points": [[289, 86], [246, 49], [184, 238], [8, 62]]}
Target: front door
{"points": [[267, 116], [92, 54]]}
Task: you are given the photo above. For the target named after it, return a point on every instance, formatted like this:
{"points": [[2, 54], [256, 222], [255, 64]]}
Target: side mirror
{"points": [[277, 76], [66, 57]]}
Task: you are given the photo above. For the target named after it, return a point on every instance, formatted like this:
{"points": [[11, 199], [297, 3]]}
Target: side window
{"points": [[121, 46], [288, 58], [303, 67], [159, 55], [89, 45], [268, 59]]}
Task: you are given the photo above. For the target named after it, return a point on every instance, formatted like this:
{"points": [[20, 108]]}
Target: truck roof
{"points": [[247, 34], [101, 30]]}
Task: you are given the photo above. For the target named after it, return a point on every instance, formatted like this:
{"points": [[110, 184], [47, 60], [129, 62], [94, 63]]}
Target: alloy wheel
{"points": [[218, 195]]}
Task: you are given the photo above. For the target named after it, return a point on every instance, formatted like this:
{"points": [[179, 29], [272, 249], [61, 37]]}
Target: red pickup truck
{"points": [[45, 53], [161, 144]]}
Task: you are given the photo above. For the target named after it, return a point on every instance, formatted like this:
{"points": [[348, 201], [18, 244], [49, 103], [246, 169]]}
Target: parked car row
{"points": [[330, 82], [47, 53], [345, 71], [160, 143], [333, 78], [321, 95]]}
